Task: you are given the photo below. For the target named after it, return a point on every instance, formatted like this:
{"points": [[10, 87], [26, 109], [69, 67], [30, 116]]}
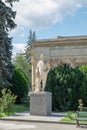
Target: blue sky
{"points": [[48, 18]]}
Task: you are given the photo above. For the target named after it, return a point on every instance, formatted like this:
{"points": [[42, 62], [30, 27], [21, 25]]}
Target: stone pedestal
{"points": [[40, 103]]}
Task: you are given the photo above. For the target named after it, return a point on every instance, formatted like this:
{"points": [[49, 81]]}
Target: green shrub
{"points": [[66, 85], [7, 101], [83, 69], [71, 115], [20, 84]]}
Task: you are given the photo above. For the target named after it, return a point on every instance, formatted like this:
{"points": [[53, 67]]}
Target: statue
{"points": [[73, 62], [42, 70]]}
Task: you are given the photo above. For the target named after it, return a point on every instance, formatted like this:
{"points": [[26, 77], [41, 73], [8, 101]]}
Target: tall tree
{"points": [[20, 62], [31, 38], [7, 16]]}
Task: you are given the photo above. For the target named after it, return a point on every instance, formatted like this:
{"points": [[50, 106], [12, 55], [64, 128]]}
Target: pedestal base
{"points": [[40, 103]]}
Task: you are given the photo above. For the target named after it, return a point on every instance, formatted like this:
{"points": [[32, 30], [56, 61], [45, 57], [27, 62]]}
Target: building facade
{"points": [[71, 50]]}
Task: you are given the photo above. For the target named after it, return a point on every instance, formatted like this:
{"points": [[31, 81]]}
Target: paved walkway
{"points": [[26, 117], [25, 121], [16, 125]]}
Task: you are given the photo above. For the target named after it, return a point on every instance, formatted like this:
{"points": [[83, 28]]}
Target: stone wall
{"points": [[62, 48]]}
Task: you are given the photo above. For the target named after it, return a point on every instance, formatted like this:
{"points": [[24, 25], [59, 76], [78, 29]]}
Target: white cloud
{"points": [[42, 13], [22, 35], [38, 14], [19, 47], [83, 2]]}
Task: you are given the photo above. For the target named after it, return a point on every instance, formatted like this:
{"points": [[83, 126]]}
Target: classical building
{"points": [[71, 50]]}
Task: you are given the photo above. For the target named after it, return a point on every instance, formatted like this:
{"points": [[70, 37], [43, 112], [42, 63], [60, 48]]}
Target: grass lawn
{"points": [[20, 108], [17, 108], [70, 117], [68, 120]]}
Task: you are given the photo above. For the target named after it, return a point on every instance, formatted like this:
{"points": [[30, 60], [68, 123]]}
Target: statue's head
{"points": [[43, 58]]}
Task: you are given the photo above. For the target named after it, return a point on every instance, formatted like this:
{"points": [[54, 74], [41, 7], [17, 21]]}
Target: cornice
{"points": [[61, 41]]}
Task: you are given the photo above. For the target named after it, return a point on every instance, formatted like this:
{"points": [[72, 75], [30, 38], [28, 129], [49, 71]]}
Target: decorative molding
{"points": [[61, 41]]}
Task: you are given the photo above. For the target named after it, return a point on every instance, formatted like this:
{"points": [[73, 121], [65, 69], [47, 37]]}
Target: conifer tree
{"points": [[31, 38], [7, 16]]}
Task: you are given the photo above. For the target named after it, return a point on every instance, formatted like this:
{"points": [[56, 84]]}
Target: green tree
{"points": [[66, 85], [31, 38], [20, 62], [83, 69], [20, 84], [7, 16]]}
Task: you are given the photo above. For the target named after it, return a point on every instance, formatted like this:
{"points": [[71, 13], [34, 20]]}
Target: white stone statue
{"points": [[73, 62], [42, 70]]}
